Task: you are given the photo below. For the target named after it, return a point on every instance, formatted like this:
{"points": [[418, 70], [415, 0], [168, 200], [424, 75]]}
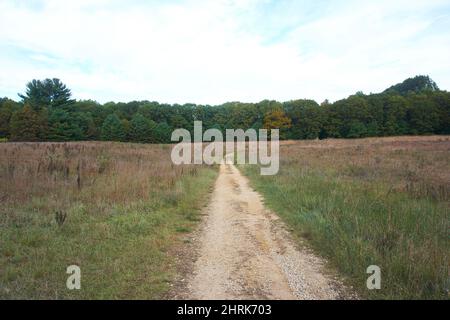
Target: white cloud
{"points": [[217, 51]]}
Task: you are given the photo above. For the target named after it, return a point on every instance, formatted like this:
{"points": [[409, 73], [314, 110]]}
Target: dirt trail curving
{"points": [[244, 251]]}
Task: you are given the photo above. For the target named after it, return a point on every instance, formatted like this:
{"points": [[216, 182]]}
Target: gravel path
{"points": [[243, 251]]}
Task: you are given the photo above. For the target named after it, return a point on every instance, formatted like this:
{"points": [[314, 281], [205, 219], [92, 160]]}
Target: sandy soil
{"points": [[243, 251]]}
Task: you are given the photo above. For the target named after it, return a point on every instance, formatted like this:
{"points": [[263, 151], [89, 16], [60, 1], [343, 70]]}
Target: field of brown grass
{"points": [[418, 165], [114, 209], [377, 201], [117, 209]]}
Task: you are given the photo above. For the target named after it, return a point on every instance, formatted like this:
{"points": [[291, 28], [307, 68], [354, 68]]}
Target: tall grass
{"points": [[113, 209], [369, 202]]}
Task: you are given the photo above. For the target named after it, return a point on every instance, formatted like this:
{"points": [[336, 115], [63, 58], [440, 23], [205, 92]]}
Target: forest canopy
{"points": [[47, 112]]}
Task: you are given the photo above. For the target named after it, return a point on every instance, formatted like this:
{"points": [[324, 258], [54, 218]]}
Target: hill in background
{"points": [[417, 84]]}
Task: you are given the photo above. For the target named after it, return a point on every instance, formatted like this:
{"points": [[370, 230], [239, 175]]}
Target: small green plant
{"points": [[60, 217]]}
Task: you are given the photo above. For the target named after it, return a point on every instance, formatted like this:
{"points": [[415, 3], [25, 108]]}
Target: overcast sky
{"points": [[211, 52]]}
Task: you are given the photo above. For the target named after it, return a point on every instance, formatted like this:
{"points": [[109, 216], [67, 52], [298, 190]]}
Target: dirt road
{"points": [[243, 251]]}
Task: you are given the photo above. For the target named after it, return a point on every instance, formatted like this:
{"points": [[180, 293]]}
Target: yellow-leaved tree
{"points": [[277, 119]]}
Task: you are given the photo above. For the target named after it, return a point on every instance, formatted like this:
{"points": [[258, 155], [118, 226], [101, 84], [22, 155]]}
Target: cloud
{"points": [[217, 51]]}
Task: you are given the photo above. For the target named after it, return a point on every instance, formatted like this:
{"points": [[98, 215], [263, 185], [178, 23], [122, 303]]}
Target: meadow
{"points": [[113, 209], [118, 210], [376, 201]]}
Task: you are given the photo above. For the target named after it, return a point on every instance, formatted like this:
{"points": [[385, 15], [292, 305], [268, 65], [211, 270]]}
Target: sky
{"points": [[214, 51]]}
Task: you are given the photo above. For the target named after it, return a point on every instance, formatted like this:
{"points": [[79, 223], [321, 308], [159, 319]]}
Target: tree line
{"points": [[47, 112]]}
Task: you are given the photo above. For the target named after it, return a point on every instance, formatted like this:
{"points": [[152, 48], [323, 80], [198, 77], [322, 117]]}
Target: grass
{"points": [[369, 202], [125, 207]]}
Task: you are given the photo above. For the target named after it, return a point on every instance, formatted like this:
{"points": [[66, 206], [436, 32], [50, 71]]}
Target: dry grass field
{"points": [[377, 201], [116, 210], [113, 209]]}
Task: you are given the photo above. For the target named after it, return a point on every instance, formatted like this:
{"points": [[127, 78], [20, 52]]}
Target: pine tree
{"points": [[140, 130], [46, 93], [63, 127], [112, 129], [162, 133]]}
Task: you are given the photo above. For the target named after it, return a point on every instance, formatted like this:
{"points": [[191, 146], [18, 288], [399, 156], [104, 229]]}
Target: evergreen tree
{"points": [[112, 129], [86, 123], [163, 133], [46, 93], [140, 129], [62, 127]]}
